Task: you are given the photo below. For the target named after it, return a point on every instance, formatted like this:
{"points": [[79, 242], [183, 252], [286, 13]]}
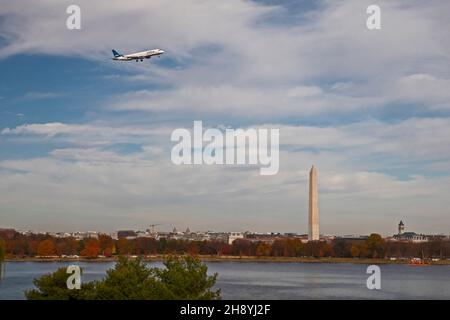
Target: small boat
{"points": [[419, 262]]}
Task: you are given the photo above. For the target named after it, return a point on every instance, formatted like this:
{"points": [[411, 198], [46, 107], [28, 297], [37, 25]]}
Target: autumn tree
{"points": [[66, 246], [192, 248], [91, 249], [2, 250], [315, 249], [106, 244], [225, 249], [46, 248], [263, 249], [375, 246], [146, 246], [327, 250], [32, 247], [212, 247], [355, 251], [341, 248], [241, 247], [124, 246]]}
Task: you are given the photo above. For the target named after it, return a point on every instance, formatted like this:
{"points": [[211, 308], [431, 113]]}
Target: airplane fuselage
{"points": [[139, 55]]}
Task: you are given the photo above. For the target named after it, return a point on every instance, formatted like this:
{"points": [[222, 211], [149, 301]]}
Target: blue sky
{"points": [[85, 141]]}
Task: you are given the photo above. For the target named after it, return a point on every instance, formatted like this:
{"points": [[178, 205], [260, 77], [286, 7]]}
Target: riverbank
{"points": [[231, 258]]}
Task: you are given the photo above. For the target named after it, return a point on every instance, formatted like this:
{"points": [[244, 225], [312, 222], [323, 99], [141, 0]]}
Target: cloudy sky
{"points": [[85, 141]]}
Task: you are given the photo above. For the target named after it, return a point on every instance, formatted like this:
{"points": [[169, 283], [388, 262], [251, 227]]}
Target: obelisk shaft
{"points": [[313, 225]]}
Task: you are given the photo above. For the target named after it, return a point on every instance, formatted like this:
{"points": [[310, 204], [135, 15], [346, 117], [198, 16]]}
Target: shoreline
{"points": [[232, 259]]}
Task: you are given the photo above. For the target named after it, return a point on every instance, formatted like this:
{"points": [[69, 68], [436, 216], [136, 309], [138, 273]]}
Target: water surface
{"points": [[271, 280]]}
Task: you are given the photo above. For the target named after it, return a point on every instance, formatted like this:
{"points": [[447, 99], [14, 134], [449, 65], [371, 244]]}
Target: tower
{"points": [[401, 227], [313, 224]]}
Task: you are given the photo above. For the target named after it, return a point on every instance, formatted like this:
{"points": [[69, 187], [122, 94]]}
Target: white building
{"points": [[409, 236], [235, 235]]}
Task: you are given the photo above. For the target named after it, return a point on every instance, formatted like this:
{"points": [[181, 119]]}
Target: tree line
{"points": [[2, 250], [373, 247]]}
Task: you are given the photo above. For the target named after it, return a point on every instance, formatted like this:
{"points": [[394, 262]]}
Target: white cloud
{"points": [[415, 139], [243, 101], [108, 188], [227, 53], [92, 134], [225, 59], [423, 88], [106, 191]]}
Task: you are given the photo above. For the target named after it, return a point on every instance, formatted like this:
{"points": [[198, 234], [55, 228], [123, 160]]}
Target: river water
{"points": [[272, 280]]}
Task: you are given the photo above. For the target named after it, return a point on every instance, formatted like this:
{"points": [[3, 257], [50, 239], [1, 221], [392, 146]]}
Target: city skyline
{"points": [[151, 228], [85, 141]]}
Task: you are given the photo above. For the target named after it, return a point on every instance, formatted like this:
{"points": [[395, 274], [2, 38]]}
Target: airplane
{"points": [[137, 56]]}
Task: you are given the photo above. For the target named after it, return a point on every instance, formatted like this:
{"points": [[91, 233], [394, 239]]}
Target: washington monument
{"points": [[313, 224]]}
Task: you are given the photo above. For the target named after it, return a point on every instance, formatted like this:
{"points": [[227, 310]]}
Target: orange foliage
{"points": [[91, 249], [46, 248]]}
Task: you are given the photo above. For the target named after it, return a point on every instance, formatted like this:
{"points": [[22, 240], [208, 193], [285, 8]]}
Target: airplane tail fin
{"points": [[116, 54]]}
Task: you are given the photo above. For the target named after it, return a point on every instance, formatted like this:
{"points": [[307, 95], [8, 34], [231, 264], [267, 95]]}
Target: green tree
{"points": [[53, 286], [185, 278], [130, 279], [182, 278]]}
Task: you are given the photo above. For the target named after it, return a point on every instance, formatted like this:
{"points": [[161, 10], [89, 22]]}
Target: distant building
{"points": [[271, 237], [144, 234], [354, 239], [234, 236], [218, 236], [264, 237], [78, 235], [129, 234], [411, 237], [92, 235], [408, 236], [438, 237], [61, 235], [163, 235]]}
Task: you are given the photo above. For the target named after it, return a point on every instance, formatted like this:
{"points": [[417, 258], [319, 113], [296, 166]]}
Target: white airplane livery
{"points": [[138, 55]]}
